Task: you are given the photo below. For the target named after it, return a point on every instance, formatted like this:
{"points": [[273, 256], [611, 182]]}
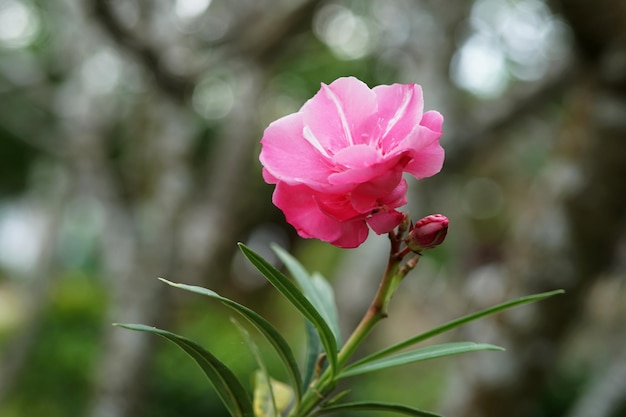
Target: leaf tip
{"points": [[276, 247], [168, 282], [123, 326]]}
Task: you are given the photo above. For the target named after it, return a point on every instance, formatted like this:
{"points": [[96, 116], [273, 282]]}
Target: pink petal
{"points": [[268, 177], [357, 156], [385, 221], [365, 199], [426, 152], [420, 137], [363, 203], [352, 234], [422, 147], [389, 191], [362, 175], [433, 120], [338, 114], [382, 184], [302, 212], [427, 162], [337, 207], [400, 109], [396, 198], [288, 157]]}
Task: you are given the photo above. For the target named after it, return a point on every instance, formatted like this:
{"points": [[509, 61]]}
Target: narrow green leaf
{"points": [[327, 302], [314, 349], [375, 406], [228, 387], [271, 398], [315, 288], [265, 327], [456, 323], [335, 399], [299, 301], [430, 352], [263, 401]]}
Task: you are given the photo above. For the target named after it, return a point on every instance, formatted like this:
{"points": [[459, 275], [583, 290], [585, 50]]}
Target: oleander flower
{"points": [[338, 163]]}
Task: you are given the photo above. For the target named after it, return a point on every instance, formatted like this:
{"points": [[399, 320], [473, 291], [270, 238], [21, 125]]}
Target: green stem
{"points": [[377, 311]]}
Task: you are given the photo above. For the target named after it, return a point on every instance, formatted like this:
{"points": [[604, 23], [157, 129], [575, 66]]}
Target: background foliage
{"points": [[128, 150]]}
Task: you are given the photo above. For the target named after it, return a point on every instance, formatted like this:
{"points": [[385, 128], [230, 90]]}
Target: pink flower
{"points": [[338, 162]]}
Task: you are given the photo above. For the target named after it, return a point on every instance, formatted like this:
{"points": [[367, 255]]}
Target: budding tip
{"points": [[428, 232]]}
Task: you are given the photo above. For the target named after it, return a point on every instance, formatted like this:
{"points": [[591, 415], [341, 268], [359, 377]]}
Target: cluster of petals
{"points": [[338, 163]]}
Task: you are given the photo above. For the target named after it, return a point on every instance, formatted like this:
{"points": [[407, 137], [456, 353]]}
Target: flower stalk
{"points": [[394, 274]]}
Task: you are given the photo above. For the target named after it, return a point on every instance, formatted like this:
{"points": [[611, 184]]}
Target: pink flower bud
{"points": [[428, 232]]}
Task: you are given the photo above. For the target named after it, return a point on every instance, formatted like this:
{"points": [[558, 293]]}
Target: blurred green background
{"points": [[129, 141]]}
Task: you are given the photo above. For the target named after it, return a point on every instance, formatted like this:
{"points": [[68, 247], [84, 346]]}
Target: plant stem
{"points": [[377, 311]]}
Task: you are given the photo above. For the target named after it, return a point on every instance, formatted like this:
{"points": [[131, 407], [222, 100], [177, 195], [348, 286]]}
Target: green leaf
{"points": [[265, 327], [263, 401], [315, 287], [314, 349], [327, 302], [299, 301], [228, 387], [336, 398], [430, 352], [456, 323], [271, 398], [376, 406]]}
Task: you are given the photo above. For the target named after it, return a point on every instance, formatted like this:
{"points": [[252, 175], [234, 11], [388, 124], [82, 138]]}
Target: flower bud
{"points": [[427, 233]]}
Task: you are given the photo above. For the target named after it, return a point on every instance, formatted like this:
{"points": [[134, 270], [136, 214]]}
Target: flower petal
{"points": [[288, 156], [382, 185], [396, 198], [433, 120], [302, 212], [337, 115], [352, 234], [426, 153], [387, 191], [357, 156], [385, 221], [363, 175], [337, 207], [427, 162], [400, 109]]}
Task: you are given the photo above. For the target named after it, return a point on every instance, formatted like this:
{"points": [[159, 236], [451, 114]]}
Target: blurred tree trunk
{"points": [[170, 248], [134, 254], [570, 227], [192, 234], [15, 354]]}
